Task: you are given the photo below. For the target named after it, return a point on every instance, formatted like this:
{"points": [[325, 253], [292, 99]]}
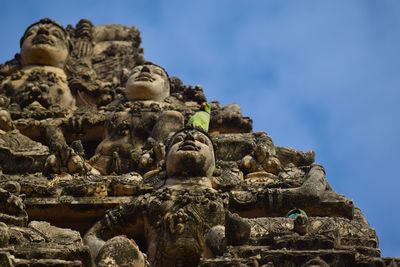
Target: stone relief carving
{"points": [[41, 79], [174, 218], [93, 139]]}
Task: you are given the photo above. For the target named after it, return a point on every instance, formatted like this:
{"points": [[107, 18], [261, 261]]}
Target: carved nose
{"points": [[43, 30], [189, 136], [145, 69]]}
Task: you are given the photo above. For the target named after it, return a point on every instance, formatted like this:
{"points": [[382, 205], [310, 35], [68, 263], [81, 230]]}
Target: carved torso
{"points": [[175, 221], [44, 84]]}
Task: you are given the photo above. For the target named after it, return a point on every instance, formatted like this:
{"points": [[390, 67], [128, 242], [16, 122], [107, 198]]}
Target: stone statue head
{"points": [[148, 82], [45, 43], [190, 153]]}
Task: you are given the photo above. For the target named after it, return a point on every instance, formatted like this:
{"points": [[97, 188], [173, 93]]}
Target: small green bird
{"points": [[202, 117], [293, 213]]}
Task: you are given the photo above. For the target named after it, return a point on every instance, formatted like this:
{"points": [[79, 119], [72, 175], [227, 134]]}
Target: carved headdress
{"points": [[47, 21]]}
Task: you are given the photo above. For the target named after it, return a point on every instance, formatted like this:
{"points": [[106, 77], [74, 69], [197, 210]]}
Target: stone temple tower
{"points": [[102, 165]]}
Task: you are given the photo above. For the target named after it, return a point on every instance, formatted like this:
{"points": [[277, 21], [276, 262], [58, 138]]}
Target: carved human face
{"points": [[191, 153], [147, 82], [44, 44]]}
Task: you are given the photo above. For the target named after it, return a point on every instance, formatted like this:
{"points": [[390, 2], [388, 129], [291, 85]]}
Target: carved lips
{"points": [[42, 39], [188, 145], [145, 77]]}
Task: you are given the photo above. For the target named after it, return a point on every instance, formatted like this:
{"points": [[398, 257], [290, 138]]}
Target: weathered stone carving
{"points": [[12, 208], [175, 218], [190, 162], [229, 119], [190, 154], [88, 125], [37, 243], [67, 160], [45, 47], [135, 136], [101, 58], [147, 82], [20, 154]]}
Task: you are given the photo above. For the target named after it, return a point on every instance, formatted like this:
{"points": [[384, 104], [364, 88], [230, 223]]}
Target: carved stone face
{"points": [[191, 153], [147, 82], [44, 44]]}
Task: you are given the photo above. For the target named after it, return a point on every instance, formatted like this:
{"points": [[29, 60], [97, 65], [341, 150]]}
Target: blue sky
{"points": [[321, 75]]}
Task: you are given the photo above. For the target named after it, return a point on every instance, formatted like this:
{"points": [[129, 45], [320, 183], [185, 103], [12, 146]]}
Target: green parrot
{"points": [[293, 213], [202, 117]]}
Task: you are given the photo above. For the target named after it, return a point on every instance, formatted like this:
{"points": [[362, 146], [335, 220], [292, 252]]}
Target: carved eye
{"points": [[31, 31], [136, 70], [158, 72], [57, 34], [178, 139], [201, 138]]}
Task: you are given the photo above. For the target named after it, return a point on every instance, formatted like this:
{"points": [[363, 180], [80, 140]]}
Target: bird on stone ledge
{"points": [[293, 213], [201, 118]]}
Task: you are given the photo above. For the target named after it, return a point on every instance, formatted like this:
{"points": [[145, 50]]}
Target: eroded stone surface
{"points": [[88, 125], [19, 154], [36, 243]]}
